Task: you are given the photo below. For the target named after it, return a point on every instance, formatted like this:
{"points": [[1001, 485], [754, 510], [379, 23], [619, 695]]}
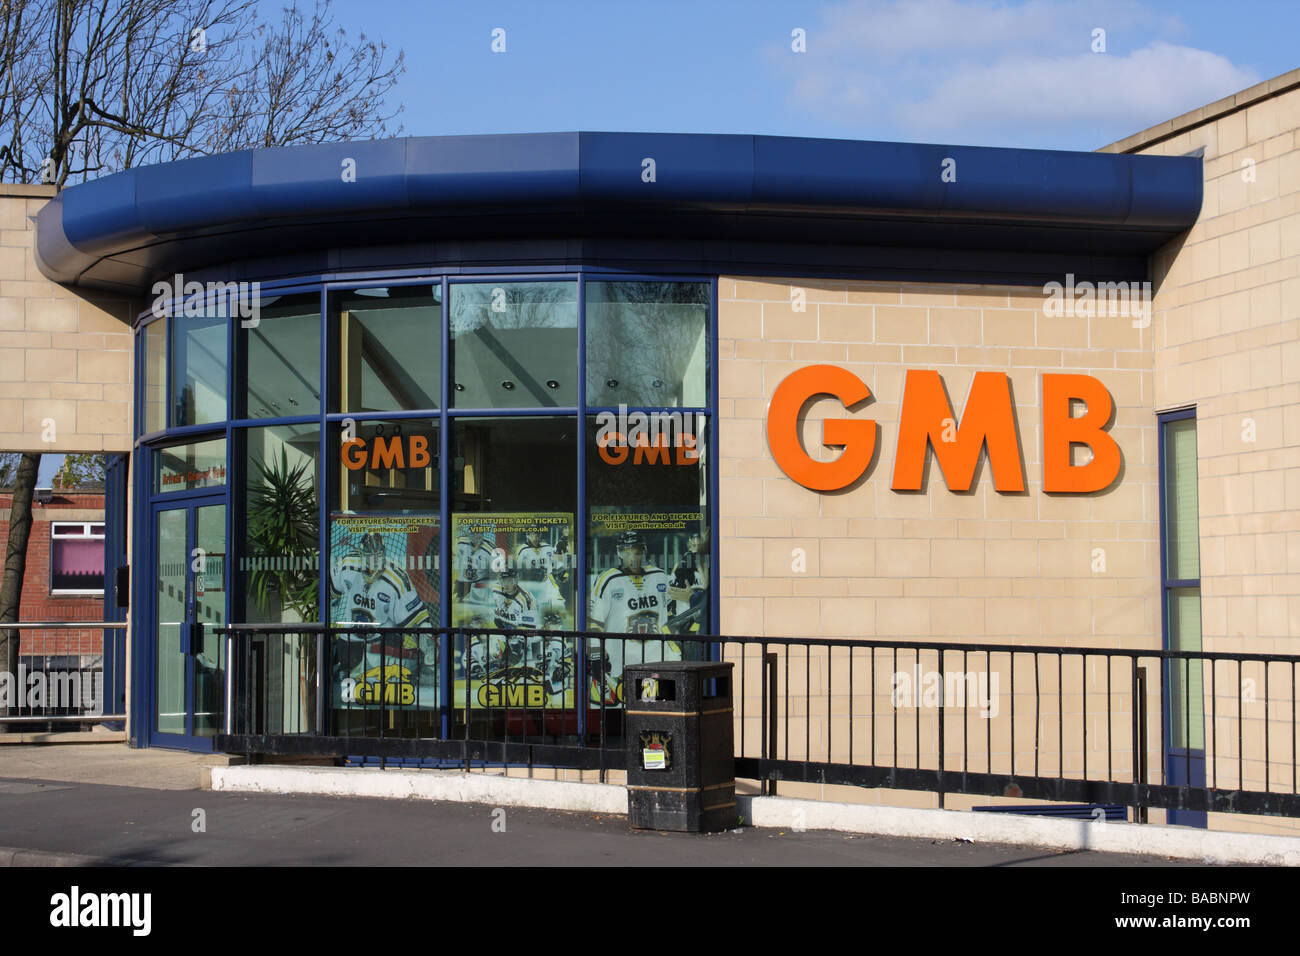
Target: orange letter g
{"points": [[858, 437]]}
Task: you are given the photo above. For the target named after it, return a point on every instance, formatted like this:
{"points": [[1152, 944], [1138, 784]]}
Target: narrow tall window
{"points": [[1181, 600]]}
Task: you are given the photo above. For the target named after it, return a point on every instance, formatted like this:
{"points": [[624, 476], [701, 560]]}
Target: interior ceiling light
{"points": [[552, 383], [658, 383], [460, 387], [507, 385], [611, 383], [374, 293]]}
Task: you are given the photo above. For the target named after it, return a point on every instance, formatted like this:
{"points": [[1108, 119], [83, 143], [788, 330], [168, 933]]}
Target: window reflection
{"points": [[514, 344], [391, 348], [154, 398], [198, 381], [282, 358], [646, 343], [281, 552]]}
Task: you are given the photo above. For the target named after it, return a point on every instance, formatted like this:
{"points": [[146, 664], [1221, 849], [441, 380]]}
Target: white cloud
{"points": [[983, 72]]}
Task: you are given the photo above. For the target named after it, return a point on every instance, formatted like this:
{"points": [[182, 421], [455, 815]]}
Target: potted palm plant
{"points": [[283, 524]]}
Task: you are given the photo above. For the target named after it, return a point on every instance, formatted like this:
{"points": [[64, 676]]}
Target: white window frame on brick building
{"points": [[84, 531]]}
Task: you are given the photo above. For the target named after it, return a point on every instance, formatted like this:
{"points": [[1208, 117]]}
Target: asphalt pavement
{"points": [[80, 823]]}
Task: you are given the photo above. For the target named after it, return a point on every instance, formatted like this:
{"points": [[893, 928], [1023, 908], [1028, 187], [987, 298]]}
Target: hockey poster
{"points": [[513, 570], [383, 572], [650, 576]]}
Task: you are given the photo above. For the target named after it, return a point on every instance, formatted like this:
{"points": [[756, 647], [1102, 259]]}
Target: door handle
{"points": [[192, 637]]}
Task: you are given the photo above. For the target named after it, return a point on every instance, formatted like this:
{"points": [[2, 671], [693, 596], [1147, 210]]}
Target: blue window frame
{"points": [[1183, 734]]}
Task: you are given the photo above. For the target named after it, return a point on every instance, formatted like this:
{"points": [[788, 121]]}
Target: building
{"points": [[418, 351], [64, 579]]}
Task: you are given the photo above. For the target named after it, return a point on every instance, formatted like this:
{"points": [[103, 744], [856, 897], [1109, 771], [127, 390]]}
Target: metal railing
{"points": [[1179, 730], [62, 688]]}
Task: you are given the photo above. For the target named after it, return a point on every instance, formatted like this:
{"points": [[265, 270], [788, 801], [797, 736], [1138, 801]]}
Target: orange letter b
{"points": [[1060, 431]]}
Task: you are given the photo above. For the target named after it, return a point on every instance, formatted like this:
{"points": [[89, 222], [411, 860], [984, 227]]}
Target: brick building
{"points": [[65, 570]]}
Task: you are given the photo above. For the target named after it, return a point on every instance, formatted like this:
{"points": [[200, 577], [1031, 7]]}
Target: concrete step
{"points": [[65, 737]]}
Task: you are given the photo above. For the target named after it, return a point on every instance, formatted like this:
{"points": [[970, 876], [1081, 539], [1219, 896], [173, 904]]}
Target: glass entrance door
{"points": [[188, 659]]}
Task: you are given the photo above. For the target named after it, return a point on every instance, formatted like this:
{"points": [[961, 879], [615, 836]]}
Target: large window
{"points": [[281, 358], [648, 554], [515, 492], [281, 523], [646, 343], [514, 344], [449, 459], [390, 348], [198, 378]]}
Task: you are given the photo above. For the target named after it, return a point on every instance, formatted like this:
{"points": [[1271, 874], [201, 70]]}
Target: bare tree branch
{"points": [[96, 86]]}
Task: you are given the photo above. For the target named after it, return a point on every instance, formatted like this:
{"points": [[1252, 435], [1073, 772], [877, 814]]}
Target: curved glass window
{"points": [[199, 368], [441, 452], [280, 358], [514, 344], [190, 467], [153, 387], [647, 344], [390, 348], [281, 540]]}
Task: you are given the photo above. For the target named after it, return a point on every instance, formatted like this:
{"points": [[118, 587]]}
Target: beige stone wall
{"points": [[980, 566], [1225, 338], [1227, 341], [65, 356]]}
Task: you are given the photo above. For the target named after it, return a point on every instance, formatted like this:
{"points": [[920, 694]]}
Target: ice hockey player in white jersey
{"points": [[475, 552], [537, 563], [629, 599], [515, 610], [369, 588]]}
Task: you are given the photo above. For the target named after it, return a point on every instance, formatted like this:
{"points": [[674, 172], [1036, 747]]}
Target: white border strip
{"points": [[451, 785], [1211, 846], [1187, 843]]}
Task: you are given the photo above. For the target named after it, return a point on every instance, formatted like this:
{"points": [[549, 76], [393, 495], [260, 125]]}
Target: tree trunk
{"points": [[11, 585]]}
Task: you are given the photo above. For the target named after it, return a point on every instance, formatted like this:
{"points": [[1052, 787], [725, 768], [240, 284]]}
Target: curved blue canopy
{"points": [[740, 200]]}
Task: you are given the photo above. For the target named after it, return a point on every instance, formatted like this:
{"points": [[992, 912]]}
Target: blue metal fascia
{"points": [[123, 228]]}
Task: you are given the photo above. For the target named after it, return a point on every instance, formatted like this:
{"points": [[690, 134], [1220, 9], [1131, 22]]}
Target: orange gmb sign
{"points": [[410, 451], [926, 422]]}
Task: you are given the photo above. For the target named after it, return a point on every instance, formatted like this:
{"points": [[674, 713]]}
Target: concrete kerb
{"points": [[14, 856], [450, 785], [1211, 846]]}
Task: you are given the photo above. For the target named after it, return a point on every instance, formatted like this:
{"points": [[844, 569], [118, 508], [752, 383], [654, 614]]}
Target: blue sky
{"points": [[950, 71]]}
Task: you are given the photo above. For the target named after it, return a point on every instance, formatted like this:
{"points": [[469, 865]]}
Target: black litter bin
{"points": [[681, 772]]}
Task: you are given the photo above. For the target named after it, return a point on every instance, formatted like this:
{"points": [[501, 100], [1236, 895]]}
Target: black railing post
{"points": [[1140, 757], [942, 715], [324, 686], [762, 721]]}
